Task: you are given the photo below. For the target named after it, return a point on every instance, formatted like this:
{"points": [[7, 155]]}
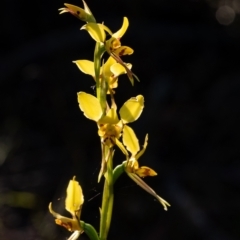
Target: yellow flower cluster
{"points": [[114, 66], [112, 125]]}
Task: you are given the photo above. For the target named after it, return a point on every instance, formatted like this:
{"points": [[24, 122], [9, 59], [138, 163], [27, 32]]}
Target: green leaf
{"points": [[118, 170], [89, 230]]}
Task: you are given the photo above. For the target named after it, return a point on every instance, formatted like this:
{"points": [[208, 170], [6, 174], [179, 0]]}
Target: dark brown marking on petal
{"points": [[145, 173], [112, 140], [75, 14], [67, 225], [122, 52]]}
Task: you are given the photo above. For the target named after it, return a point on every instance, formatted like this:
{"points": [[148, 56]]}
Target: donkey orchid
{"points": [[112, 124], [132, 166], [112, 45], [110, 127], [73, 204], [110, 71]]}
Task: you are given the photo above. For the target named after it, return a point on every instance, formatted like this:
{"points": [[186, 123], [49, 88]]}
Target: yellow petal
{"points": [[130, 140], [145, 171], [122, 30], [110, 62], [74, 199], [107, 29], [119, 60], [112, 44], [102, 130], [77, 12], [131, 165], [110, 118], [117, 69], [90, 106], [86, 66], [143, 149], [134, 163], [123, 50], [106, 68], [132, 109], [96, 31], [113, 84], [68, 223], [122, 148]]}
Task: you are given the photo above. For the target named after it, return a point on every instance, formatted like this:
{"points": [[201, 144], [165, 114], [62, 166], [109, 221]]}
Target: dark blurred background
{"points": [[187, 58]]}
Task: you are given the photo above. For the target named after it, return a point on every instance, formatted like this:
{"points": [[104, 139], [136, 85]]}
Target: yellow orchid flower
{"points": [[73, 204], [132, 166], [112, 45], [131, 142], [97, 32], [82, 14], [114, 48], [110, 127], [110, 71]]}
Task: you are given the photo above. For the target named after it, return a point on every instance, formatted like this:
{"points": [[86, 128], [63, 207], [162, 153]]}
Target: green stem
{"points": [[107, 200], [100, 84], [97, 65]]}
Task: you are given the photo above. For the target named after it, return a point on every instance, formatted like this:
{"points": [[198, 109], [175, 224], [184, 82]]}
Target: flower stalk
{"points": [[100, 83], [107, 198], [112, 125]]}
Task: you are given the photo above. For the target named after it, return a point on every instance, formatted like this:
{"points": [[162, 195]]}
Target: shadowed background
{"points": [[187, 58]]}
